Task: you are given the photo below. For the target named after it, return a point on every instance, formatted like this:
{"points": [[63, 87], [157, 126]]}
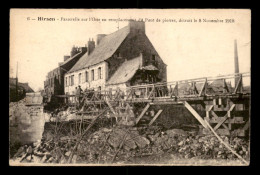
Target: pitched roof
{"points": [[25, 86], [125, 72], [105, 49], [71, 58]]}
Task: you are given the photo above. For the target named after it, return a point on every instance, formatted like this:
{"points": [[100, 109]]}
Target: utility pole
{"points": [[236, 61], [16, 83]]}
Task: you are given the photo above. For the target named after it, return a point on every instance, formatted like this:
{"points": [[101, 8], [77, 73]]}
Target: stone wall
{"points": [[26, 123]]}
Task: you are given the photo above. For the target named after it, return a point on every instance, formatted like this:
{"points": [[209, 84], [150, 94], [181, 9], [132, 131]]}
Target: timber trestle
{"points": [[223, 101]]}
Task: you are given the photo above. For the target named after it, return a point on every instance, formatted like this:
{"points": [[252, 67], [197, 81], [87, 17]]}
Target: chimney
{"points": [[74, 51], [66, 57], [236, 61], [100, 37], [136, 26], [83, 49], [91, 46]]}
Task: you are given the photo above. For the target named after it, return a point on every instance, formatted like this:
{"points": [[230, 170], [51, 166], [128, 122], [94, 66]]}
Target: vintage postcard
{"points": [[117, 87]]}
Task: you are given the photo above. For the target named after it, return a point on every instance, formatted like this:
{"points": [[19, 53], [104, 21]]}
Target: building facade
{"points": [[54, 83], [121, 59]]}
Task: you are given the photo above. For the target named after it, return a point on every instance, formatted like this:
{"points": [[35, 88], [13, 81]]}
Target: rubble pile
{"points": [[63, 114], [26, 124], [123, 144]]}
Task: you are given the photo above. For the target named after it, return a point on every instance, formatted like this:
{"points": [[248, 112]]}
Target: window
{"points": [[153, 57], [154, 61], [66, 82], [86, 76], [100, 73], [79, 78], [72, 80], [92, 75]]}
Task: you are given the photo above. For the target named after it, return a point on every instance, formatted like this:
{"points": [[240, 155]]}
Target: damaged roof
{"points": [[150, 67], [104, 50], [125, 72]]}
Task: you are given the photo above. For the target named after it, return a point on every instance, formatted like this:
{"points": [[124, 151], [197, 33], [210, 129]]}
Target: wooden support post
{"points": [[225, 86], [152, 91], [214, 114], [220, 122], [231, 109], [208, 110], [246, 125], [229, 124], [225, 118], [219, 101], [110, 107], [172, 91], [155, 117], [225, 126], [238, 85], [142, 113], [146, 92], [214, 102], [195, 114], [194, 88], [130, 93], [203, 88]]}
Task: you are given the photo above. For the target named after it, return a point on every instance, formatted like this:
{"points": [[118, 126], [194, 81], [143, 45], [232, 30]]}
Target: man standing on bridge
{"points": [[78, 93]]}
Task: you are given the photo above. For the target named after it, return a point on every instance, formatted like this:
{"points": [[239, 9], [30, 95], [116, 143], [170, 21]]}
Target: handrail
{"points": [[166, 87], [202, 79]]}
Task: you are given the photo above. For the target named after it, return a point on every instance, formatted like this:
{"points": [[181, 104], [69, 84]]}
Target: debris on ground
{"points": [[103, 144], [109, 142]]}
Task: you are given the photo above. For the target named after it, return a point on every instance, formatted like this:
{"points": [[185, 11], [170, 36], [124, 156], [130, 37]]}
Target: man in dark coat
{"points": [[78, 93]]}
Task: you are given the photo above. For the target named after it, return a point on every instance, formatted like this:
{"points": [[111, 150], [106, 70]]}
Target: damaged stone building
{"points": [[121, 59], [54, 83]]}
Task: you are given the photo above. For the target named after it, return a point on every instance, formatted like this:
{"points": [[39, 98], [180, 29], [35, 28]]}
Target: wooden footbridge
{"points": [[222, 101]]}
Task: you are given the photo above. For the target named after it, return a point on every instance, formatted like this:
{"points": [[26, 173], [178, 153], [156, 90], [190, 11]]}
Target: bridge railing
{"points": [[198, 87], [224, 84]]}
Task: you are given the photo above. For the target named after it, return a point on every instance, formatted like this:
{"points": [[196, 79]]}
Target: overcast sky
{"points": [[189, 49]]}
